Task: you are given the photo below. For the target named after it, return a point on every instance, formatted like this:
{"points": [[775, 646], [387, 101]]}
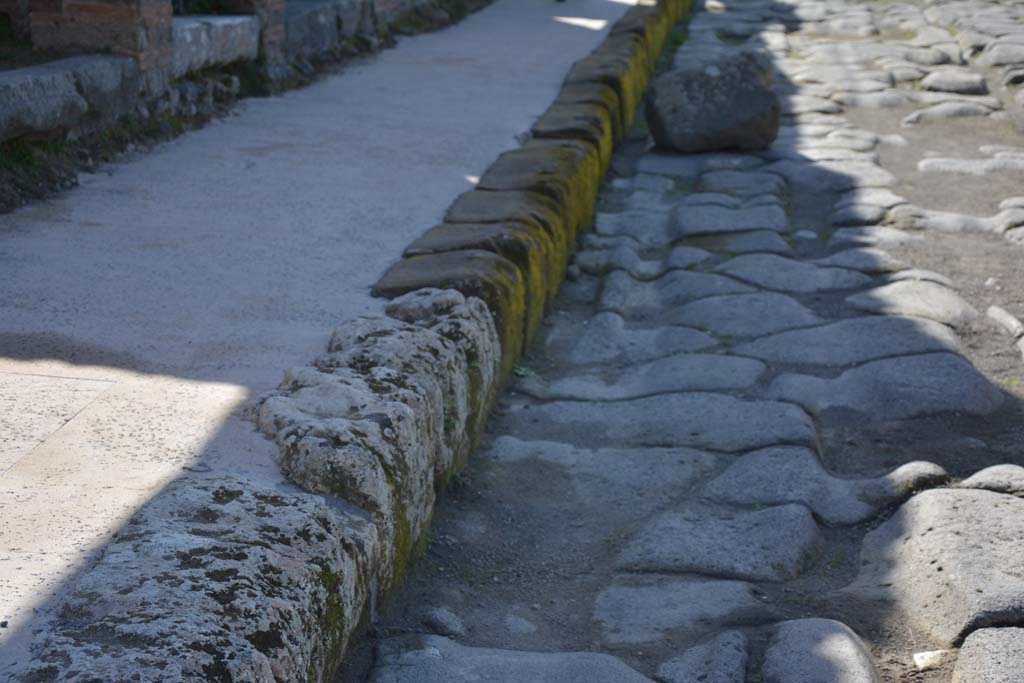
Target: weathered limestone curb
{"points": [[508, 241], [225, 580]]}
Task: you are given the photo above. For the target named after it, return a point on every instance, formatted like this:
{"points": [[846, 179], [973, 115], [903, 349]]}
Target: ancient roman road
{"points": [[789, 454], [146, 309]]}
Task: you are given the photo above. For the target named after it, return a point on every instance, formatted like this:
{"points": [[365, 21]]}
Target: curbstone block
{"points": [[480, 274]]}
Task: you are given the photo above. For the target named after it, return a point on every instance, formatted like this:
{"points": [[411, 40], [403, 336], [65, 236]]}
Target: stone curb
{"points": [[222, 579], [532, 202]]}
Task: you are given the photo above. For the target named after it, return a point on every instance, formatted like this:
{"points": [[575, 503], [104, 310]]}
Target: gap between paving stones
{"points": [[221, 580]]}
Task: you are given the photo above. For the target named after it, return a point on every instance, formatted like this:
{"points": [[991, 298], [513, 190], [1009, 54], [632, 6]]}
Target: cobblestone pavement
{"points": [[772, 431]]}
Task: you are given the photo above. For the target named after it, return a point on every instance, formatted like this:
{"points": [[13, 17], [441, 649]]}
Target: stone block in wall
{"points": [[320, 27], [133, 28], [66, 93], [204, 41]]}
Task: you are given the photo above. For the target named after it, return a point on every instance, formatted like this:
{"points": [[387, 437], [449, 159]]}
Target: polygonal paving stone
{"points": [[607, 338], [636, 300], [599, 262], [683, 372], [865, 259], [789, 474], [701, 420], [951, 560], [853, 341], [767, 545], [896, 388], [723, 659], [780, 273], [433, 659], [916, 298], [644, 609], [817, 651], [711, 219], [645, 227], [1007, 479], [742, 183], [746, 315], [991, 655]]}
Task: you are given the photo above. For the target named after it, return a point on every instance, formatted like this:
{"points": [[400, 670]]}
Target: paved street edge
{"points": [[219, 580]]}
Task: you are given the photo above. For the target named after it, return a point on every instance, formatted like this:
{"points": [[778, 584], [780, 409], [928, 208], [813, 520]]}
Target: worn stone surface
{"points": [[607, 337], [896, 388], [635, 300], [864, 259], [916, 298], [209, 41], [716, 103], [711, 219], [853, 341], [950, 559], [432, 659], [700, 420], [813, 650], [744, 315], [216, 537], [683, 372], [788, 275], [642, 609], [991, 655], [723, 659], [767, 545], [787, 474]]}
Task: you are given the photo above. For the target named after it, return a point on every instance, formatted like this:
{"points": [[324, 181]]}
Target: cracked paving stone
{"points": [[635, 300], [780, 273], [864, 259], [991, 655], [433, 659], [723, 659], [766, 545], [817, 651], [896, 388], [608, 338], [1007, 479], [701, 420], [684, 372], [788, 474], [711, 219], [746, 315], [916, 298], [950, 560], [853, 341], [643, 609]]}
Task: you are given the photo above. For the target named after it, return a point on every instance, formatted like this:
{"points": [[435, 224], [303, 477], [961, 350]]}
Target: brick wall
{"points": [[135, 28]]}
